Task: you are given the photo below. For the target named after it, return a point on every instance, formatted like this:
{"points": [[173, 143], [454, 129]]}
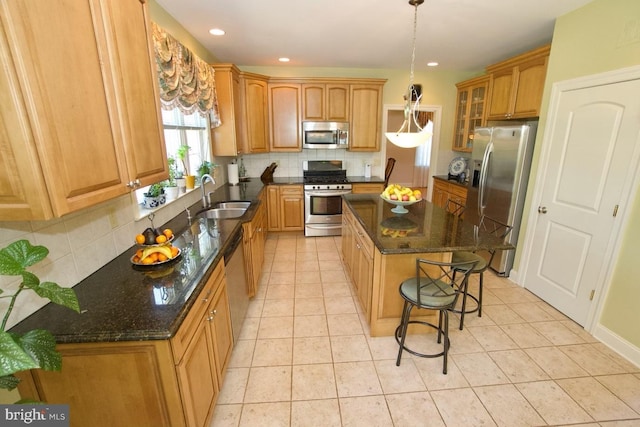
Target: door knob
{"points": [[542, 209]]}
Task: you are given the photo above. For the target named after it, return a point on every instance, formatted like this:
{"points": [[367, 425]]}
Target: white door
{"points": [[594, 138]]}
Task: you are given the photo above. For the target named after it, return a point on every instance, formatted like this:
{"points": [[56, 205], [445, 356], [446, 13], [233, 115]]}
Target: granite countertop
{"points": [[425, 228], [123, 302]]}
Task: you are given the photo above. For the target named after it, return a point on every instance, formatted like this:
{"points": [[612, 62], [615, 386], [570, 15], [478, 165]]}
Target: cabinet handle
{"points": [[206, 296], [131, 184], [212, 315]]}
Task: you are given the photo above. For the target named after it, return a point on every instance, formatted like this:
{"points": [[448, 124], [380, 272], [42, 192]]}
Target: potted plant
{"points": [[171, 186], [182, 153], [154, 196], [34, 349], [206, 167]]}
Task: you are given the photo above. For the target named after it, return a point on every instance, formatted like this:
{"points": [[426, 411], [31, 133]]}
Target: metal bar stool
{"points": [[496, 228], [435, 287]]}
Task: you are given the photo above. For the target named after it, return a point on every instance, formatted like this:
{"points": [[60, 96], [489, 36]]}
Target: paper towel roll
{"points": [[233, 174]]}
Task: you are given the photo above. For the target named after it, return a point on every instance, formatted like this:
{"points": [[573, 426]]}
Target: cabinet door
{"points": [[219, 319], [256, 116], [227, 139], [347, 239], [273, 208], [313, 101], [440, 193], [337, 102], [366, 109], [364, 276], [528, 96], [292, 208], [470, 112], [93, 119], [285, 111], [197, 377], [502, 86]]}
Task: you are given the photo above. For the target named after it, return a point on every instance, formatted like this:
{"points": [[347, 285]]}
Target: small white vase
{"points": [[182, 185], [171, 192]]}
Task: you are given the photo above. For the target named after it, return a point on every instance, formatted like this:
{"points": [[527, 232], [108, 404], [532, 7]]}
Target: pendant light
{"points": [[409, 136]]}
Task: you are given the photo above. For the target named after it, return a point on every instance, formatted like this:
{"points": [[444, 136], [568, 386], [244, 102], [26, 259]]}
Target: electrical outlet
{"points": [[113, 219]]}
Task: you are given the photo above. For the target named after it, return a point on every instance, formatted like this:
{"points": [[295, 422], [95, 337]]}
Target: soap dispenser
{"points": [[367, 170]]}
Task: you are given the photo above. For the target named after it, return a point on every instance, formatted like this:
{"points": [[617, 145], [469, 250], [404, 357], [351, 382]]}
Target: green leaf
{"points": [[59, 295], [12, 357], [41, 346], [9, 382], [20, 255]]}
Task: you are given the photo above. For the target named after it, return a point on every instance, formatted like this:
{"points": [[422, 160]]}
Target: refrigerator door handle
{"points": [[483, 178]]}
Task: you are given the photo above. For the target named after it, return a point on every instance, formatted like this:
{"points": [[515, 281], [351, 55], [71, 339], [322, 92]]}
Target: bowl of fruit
{"points": [[155, 247], [400, 196]]}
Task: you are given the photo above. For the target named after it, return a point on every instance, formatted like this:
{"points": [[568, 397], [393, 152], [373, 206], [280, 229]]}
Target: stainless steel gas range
{"points": [[324, 184]]}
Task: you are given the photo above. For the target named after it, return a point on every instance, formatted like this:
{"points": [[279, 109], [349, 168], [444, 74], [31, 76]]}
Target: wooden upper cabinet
{"points": [[366, 112], [76, 129], [242, 103], [516, 85], [228, 138], [325, 102], [256, 111], [470, 111], [285, 112]]}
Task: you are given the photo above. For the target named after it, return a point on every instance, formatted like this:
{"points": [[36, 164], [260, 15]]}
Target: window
{"points": [[193, 130], [182, 129]]}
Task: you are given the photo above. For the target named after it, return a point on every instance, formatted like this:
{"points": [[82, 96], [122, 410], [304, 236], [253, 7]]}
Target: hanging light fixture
{"points": [[405, 137]]}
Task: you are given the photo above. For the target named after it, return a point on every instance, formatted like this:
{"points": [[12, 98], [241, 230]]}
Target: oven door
{"points": [[323, 212]]}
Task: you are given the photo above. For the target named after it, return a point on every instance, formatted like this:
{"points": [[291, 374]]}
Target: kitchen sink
{"points": [[232, 205], [222, 213]]}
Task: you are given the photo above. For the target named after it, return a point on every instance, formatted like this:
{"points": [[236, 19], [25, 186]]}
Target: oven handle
{"points": [[327, 193], [324, 226]]}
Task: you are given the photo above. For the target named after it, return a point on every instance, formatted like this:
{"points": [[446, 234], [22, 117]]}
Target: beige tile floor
{"points": [[305, 358]]}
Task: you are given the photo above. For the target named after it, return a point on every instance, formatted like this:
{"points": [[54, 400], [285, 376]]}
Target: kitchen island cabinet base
{"points": [[388, 273]]}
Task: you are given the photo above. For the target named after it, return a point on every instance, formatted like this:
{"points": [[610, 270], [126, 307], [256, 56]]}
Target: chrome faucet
{"points": [[205, 202]]}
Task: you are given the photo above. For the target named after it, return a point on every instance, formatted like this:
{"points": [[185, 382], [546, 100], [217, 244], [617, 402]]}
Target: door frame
{"points": [[629, 190], [435, 141]]}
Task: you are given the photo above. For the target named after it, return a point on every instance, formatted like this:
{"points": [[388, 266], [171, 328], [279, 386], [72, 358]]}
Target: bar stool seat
{"points": [[435, 287]]}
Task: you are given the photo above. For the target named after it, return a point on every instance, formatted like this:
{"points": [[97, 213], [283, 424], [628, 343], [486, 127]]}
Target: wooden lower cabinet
{"points": [[445, 190], [255, 234], [367, 188], [285, 205], [170, 383], [357, 251]]}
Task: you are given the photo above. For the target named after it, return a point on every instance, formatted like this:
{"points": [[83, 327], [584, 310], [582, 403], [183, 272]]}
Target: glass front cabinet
{"points": [[470, 111]]}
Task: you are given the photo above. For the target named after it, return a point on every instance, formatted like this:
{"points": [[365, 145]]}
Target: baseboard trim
{"points": [[618, 344]]}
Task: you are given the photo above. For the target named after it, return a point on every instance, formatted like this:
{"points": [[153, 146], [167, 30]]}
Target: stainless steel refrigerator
{"points": [[498, 176]]}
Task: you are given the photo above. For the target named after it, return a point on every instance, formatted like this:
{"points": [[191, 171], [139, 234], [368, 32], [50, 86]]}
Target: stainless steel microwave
{"points": [[325, 135]]}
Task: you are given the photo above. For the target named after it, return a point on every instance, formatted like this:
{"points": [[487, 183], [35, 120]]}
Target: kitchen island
{"points": [[380, 248]]}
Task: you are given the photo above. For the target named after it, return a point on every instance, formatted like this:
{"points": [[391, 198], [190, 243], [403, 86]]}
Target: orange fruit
{"points": [[174, 252], [168, 233], [153, 257], [162, 257], [139, 253], [139, 239], [148, 260], [161, 238]]}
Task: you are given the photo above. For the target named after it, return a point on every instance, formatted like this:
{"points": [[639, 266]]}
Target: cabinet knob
{"points": [[212, 315]]}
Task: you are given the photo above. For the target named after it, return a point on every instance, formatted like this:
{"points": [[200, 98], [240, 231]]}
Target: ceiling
{"points": [[462, 35]]}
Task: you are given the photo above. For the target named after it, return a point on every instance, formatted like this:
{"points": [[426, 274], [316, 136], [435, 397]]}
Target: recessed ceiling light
{"points": [[283, 59], [432, 64], [216, 32]]}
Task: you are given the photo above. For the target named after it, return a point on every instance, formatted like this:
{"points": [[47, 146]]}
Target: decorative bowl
{"points": [[400, 205]]}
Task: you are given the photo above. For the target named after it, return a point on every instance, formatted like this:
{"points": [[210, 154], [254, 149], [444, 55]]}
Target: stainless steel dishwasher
{"points": [[236, 283]]}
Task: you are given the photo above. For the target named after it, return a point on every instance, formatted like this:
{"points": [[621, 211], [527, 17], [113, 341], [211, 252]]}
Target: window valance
{"points": [[186, 81]]}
